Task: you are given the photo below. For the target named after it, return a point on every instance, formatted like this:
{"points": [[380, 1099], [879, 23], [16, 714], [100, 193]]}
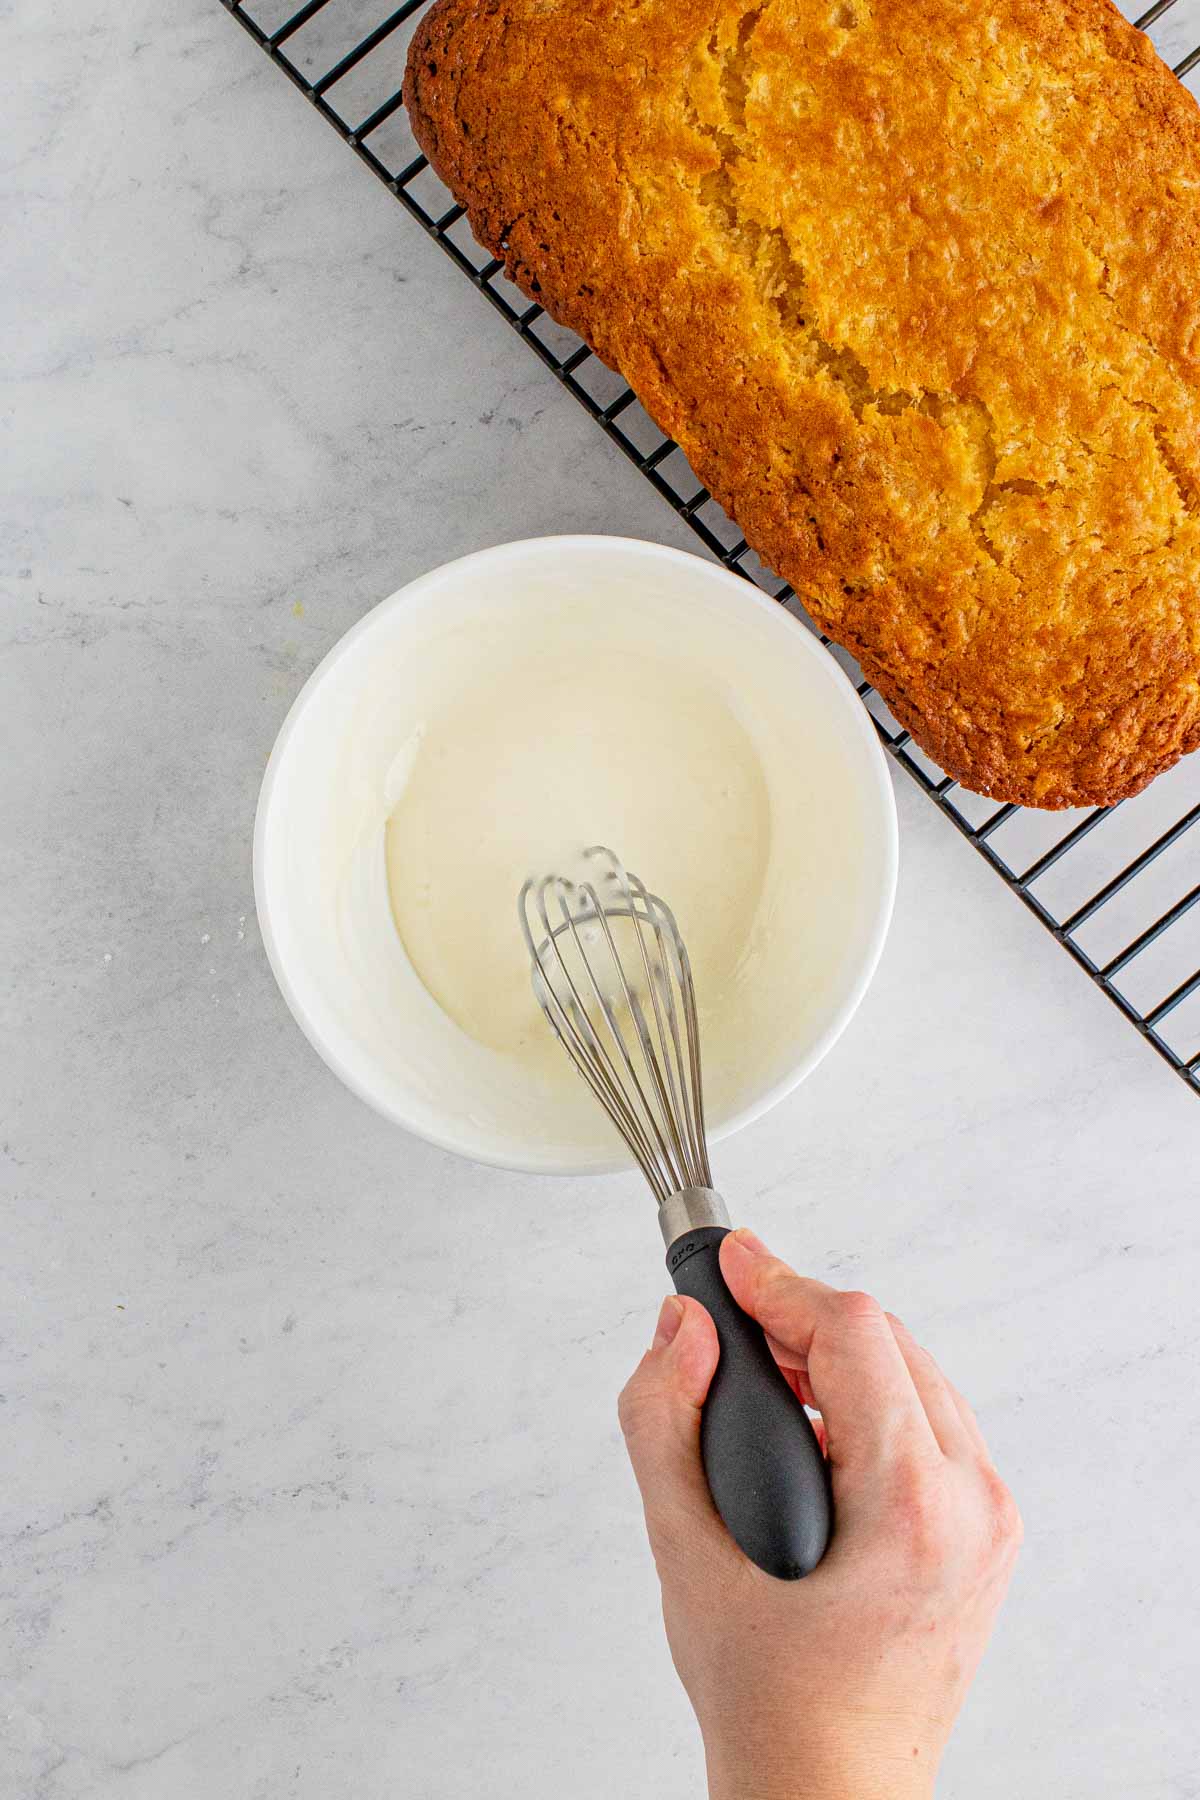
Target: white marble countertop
{"points": [[314, 1480]]}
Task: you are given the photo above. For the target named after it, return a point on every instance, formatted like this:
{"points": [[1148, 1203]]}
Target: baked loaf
{"points": [[915, 284]]}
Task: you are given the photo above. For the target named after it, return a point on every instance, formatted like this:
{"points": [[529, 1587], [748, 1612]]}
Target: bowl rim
{"points": [[591, 543]]}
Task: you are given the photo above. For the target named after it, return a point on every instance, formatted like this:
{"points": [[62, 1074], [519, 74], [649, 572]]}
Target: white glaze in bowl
{"points": [[319, 866]]}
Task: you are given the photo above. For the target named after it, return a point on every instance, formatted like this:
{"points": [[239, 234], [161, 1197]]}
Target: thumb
{"points": [[659, 1410]]}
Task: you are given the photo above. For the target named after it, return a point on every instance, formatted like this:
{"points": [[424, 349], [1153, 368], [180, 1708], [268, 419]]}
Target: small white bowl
{"points": [[319, 870]]}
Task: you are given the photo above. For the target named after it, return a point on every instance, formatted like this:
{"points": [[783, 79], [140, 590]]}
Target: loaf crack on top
{"points": [[916, 288], [770, 260]]}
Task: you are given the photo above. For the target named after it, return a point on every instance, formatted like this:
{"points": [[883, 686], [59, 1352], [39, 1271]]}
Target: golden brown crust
{"points": [[916, 287]]}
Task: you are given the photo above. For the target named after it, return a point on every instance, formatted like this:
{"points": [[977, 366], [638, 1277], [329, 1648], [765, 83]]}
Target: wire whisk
{"points": [[611, 974]]}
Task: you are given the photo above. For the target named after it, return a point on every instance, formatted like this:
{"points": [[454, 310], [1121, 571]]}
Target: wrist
{"points": [[797, 1767], [804, 1782]]}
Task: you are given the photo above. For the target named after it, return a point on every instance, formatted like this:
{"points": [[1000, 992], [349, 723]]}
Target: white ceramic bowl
{"points": [[319, 871]]}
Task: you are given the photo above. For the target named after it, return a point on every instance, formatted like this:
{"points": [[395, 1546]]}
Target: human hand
{"points": [[843, 1686]]}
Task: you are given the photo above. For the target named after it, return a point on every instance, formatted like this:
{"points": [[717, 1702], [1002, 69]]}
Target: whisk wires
{"points": [[611, 974]]}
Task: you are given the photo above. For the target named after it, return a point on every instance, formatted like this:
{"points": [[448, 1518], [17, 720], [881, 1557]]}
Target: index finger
{"points": [[858, 1376]]}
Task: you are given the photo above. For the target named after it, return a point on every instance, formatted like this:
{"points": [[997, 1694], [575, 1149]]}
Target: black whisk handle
{"points": [[768, 1477]]}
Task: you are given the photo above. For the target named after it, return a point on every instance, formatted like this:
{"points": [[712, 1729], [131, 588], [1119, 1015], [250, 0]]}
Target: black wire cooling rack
{"points": [[1116, 886]]}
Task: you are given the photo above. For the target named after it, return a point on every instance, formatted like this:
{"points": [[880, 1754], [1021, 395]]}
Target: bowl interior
{"points": [[822, 905]]}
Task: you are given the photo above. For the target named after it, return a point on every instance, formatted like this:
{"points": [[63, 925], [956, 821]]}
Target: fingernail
{"points": [[747, 1240], [670, 1318]]}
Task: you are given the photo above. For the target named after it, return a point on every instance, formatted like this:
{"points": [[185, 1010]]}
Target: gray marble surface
{"points": [[314, 1483]]}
